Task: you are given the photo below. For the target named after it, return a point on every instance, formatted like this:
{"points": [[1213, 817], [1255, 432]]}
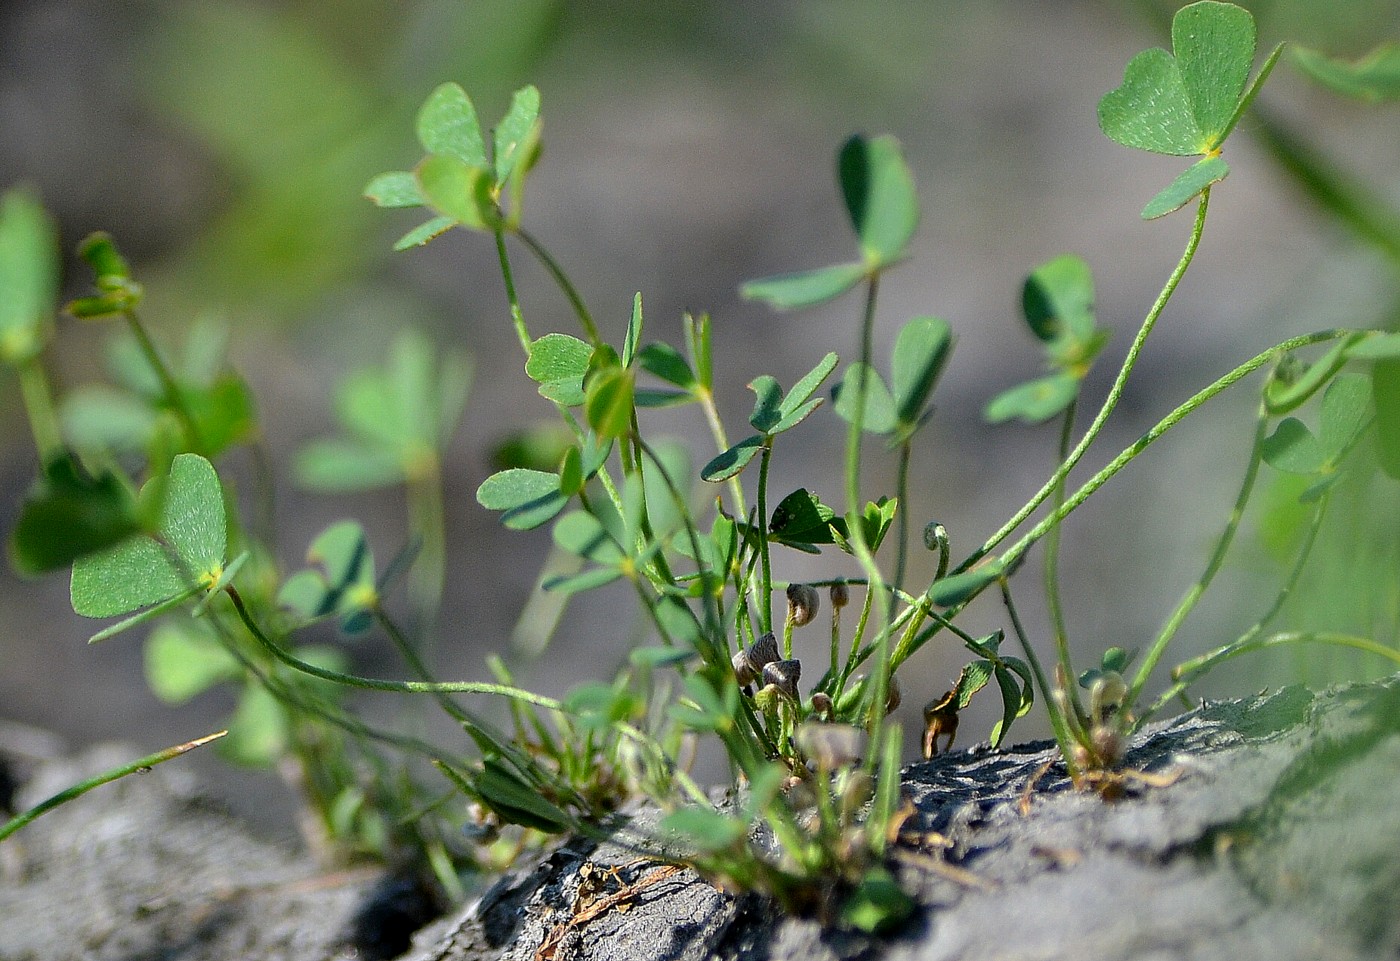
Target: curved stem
{"points": [[1114, 392], [765, 607], [173, 397], [1052, 573], [1013, 553], [1217, 558], [379, 684], [139, 766], [516, 316], [565, 285], [1058, 722], [38, 406]]}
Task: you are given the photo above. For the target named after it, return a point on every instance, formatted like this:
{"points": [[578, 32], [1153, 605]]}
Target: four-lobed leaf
{"points": [[183, 556], [1187, 102], [395, 419]]}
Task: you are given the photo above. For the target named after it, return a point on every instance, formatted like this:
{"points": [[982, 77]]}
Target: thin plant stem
{"points": [[1052, 565], [901, 493], [1161, 427], [139, 766], [381, 684], [765, 609], [1186, 673], [565, 285], [1114, 393], [517, 317], [1217, 558], [1182, 411], [173, 397], [854, 520], [1058, 723], [38, 406]]}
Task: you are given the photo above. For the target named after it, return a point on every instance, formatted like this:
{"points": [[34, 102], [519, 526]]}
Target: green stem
{"points": [[565, 285], [38, 406], [173, 397], [1052, 567], [1217, 558], [1111, 401], [1186, 673], [1058, 723], [1015, 552], [135, 767], [901, 493], [516, 316], [380, 684], [1165, 424], [765, 608]]}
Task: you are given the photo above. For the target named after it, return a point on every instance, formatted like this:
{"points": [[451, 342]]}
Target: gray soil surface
{"points": [[1268, 830]]}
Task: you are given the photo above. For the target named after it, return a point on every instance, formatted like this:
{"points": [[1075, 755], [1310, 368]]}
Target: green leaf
{"points": [[1014, 703], [1375, 346], [920, 353], [634, 332], [1374, 77], [608, 403], [335, 466], [1058, 299], [1293, 449], [879, 194], [1186, 187], [503, 791], [878, 904], [664, 361], [879, 415], [1289, 387], [28, 275], [1385, 393], [396, 188], [796, 400], [801, 518], [526, 498], [257, 732], [582, 535], [585, 581], [109, 267], [1184, 105], [805, 288], [732, 461], [1346, 408], [139, 572], [558, 362], [514, 131], [1214, 46], [975, 676], [956, 588], [875, 524], [69, 514], [705, 830], [182, 660], [1035, 401], [424, 232], [447, 124], [658, 657], [458, 190]]}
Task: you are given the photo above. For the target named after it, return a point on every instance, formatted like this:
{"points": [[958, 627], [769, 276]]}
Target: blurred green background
{"points": [[689, 146]]}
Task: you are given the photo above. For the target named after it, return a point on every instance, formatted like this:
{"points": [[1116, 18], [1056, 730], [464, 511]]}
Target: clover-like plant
{"points": [[815, 755]]}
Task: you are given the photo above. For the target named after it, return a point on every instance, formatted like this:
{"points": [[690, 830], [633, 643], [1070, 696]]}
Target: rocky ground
{"points": [[1269, 831]]}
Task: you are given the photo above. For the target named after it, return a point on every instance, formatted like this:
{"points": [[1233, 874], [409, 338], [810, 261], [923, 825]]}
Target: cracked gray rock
{"points": [[1278, 837]]}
